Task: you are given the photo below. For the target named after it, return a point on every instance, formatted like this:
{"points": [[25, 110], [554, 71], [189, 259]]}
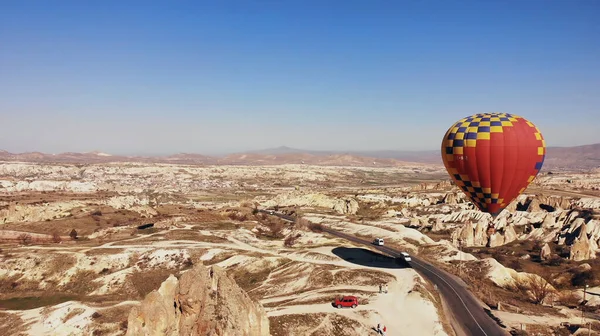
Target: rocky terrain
{"points": [[140, 229], [205, 301], [106, 248]]}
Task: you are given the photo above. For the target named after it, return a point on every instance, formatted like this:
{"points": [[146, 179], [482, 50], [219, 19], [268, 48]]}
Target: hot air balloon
{"points": [[493, 157]]}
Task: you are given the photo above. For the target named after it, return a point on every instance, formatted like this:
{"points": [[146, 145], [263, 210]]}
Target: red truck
{"points": [[346, 301]]}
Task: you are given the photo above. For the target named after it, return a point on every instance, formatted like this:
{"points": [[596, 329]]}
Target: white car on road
{"points": [[378, 241], [406, 256]]}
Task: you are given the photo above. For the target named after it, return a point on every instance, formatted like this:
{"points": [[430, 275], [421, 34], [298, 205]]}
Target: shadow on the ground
{"points": [[493, 317], [364, 257]]}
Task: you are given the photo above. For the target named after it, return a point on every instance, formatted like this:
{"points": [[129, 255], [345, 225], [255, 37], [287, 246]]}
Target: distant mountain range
{"points": [[576, 158], [431, 156], [291, 156]]}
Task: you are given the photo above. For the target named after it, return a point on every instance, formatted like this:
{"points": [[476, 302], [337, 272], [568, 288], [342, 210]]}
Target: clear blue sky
{"points": [[217, 76]]}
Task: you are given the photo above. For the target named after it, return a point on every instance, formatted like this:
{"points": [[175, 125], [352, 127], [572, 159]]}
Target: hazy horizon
{"points": [[224, 153], [139, 77]]}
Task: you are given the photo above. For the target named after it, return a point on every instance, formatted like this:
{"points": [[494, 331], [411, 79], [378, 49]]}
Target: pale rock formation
{"points": [[501, 223], [534, 206], [464, 235], [481, 238], [470, 234], [593, 230], [509, 234], [342, 206], [546, 252], [502, 237], [450, 199], [589, 203], [571, 216], [44, 185], [557, 202], [38, 213], [549, 222], [167, 223], [158, 313], [512, 207], [464, 215], [203, 302], [581, 249], [505, 277], [405, 212], [127, 202], [438, 225], [346, 206], [496, 239]]}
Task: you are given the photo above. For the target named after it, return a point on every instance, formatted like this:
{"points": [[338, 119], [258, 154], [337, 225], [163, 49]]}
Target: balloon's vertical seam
{"points": [[512, 184]]}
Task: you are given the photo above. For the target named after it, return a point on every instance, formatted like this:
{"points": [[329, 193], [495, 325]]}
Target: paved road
{"points": [[466, 311]]}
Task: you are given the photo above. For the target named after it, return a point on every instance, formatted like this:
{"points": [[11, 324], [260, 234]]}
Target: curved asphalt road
{"points": [[467, 312]]}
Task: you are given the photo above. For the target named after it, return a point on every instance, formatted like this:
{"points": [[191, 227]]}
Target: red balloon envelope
{"points": [[493, 157]]}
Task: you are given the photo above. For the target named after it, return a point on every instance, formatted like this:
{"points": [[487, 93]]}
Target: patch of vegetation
{"points": [[301, 323], [291, 240], [368, 211], [534, 287], [82, 223], [315, 227], [145, 281], [103, 251], [321, 277], [271, 228], [11, 324], [114, 314], [13, 284], [32, 302], [81, 283], [341, 325], [362, 277], [213, 226], [181, 235], [288, 271], [250, 280], [238, 216]]}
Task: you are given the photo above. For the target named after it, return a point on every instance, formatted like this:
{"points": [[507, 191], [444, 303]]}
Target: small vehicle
{"points": [[271, 212], [406, 256], [346, 301], [378, 241]]}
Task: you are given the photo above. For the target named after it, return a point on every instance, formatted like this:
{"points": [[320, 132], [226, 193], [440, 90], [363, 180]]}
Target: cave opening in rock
{"points": [[523, 206], [547, 207]]}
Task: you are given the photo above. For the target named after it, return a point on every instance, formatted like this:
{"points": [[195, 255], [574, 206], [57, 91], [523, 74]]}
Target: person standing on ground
{"points": [[386, 288], [378, 328], [384, 330], [379, 288]]}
